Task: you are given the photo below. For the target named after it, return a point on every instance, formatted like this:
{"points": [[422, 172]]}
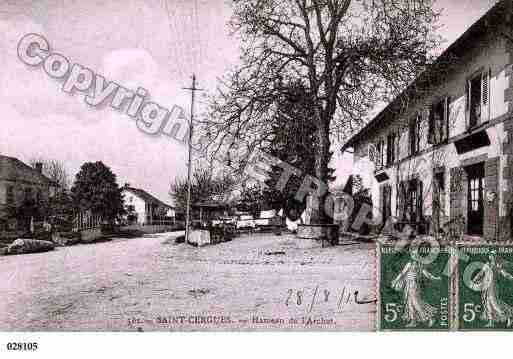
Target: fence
{"points": [[85, 220]]}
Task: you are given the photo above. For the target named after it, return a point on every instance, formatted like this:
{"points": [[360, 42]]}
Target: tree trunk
{"points": [[322, 158]]}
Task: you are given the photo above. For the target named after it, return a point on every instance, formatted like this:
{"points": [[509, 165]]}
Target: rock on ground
{"points": [[23, 246]]}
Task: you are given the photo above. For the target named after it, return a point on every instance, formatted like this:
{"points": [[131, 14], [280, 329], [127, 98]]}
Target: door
{"points": [[475, 198]]}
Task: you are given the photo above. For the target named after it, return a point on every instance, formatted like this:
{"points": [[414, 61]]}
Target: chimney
{"points": [[39, 167]]}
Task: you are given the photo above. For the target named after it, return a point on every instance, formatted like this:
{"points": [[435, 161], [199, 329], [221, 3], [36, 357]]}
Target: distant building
{"points": [[144, 208], [21, 184]]}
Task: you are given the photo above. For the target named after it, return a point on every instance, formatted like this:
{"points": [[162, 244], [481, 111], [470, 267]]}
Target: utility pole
{"points": [[193, 90]]}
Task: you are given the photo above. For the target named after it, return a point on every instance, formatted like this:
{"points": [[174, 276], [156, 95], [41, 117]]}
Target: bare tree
{"points": [[54, 170], [204, 187], [351, 55]]}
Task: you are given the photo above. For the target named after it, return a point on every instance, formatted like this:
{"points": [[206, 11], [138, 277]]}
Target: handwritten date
{"points": [[345, 296]]}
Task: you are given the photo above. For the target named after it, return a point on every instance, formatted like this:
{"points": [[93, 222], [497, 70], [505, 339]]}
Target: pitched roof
{"points": [[463, 43], [145, 196], [13, 169]]}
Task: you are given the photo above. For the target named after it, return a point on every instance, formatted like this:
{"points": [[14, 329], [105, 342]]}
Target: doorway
{"points": [[475, 199]]}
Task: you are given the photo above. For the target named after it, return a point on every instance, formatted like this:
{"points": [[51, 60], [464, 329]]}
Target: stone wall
{"points": [[90, 235]]}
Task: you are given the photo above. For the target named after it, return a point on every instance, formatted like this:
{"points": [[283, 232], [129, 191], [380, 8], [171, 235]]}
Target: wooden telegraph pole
{"points": [[193, 90]]}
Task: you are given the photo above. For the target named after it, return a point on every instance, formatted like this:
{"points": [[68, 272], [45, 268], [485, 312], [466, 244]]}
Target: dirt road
{"points": [[257, 282]]}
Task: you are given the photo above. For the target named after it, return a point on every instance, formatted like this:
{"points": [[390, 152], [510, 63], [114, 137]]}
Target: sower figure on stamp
{"points": [[494, 309], [408, 282]]}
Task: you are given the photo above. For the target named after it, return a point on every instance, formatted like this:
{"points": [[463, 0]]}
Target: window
{"points": [[38, 195], [28, 194], [381, 153], [478, 98], [475, 199], [10, 195], [391, 144], [439, 122], [475, 193], [414, 134], [414, 200], [440, 180]]}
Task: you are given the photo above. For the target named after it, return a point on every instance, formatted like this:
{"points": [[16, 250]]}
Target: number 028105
{"points": [[14, 346]]}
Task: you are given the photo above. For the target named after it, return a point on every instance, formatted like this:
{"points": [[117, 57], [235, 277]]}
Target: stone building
{"points": [[440, 156]]}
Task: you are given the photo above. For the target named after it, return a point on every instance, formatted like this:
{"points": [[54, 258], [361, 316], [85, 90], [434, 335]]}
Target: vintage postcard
{"points": [[256, 165]]}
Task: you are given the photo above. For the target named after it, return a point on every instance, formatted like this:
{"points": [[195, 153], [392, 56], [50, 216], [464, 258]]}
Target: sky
{"points": [[154, 44]]}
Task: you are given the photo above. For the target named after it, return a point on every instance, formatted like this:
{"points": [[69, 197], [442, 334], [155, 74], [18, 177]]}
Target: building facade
{"points": [[443, 162], [145, 209], [20, 184]]}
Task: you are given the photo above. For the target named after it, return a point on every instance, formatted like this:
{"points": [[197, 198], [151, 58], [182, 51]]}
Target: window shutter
{"points": [[397, 155], [372, 153], [389, 149], [400, 200], [385, 203], [419, 132], [397, 147], [436, 202], [380, 153], [402, 144], [447, 115], [431, 126], [419, 200], [389, 201], [412, 136], [384, 153], [485, 96], [382, 202], [467, 104], [410, 139]]}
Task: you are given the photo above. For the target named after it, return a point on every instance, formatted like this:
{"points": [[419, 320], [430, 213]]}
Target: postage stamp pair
{"points": [[465, 287]]}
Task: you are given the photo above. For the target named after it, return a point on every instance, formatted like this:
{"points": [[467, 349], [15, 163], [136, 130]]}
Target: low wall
{"points": [[149, 229], [90, 235]]}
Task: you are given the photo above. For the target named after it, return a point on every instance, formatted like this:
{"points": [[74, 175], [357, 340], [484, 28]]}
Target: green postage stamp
{"points": [[466, 287], [414, 289], [485, 288]]}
